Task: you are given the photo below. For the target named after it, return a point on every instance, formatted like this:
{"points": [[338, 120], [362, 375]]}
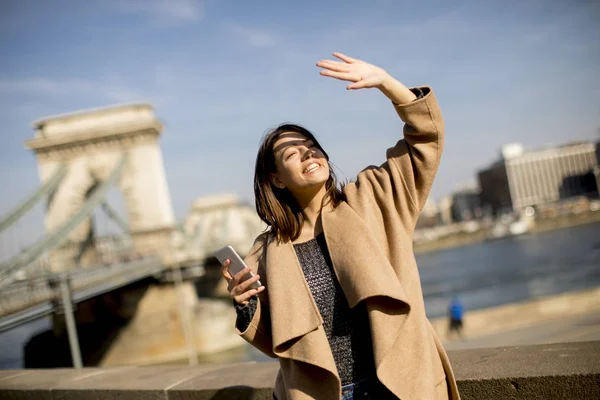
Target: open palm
{"points": [[361, 74]]}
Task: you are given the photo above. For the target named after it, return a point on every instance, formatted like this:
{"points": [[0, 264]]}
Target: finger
{"points": [[238, 277], [244, 297], [232, 287], [333, 65], [247, 283], [344, 76], [358, 85], [225, 270], [236, 289], [345, 58]]}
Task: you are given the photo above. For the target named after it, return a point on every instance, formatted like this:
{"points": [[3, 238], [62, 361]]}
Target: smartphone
{"points": [[236, 265]]}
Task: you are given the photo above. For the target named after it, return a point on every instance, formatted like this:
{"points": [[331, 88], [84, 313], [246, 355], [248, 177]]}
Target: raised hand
{"points": [[360, 73], [365, 75]]}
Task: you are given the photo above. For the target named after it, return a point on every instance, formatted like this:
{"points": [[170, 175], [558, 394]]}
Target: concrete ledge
{"points": [[557, 371]]}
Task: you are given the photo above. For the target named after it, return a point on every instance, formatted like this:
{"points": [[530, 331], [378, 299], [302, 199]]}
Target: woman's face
{"points": [[301, 166]]}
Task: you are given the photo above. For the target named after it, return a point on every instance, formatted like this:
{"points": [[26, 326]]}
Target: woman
{"points": [[342, 306]]}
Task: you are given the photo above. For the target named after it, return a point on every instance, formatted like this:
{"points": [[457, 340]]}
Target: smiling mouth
{"points": [[311, 168]]}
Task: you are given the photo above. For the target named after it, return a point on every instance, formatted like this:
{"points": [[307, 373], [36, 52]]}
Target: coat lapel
{"points": [[296, 327], [295, 310], [359, 261], [366, 274]]}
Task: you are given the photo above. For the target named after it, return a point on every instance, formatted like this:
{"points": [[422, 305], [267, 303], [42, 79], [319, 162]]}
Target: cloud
{"points": [[253, 36], [184, 10], [45, 86]]}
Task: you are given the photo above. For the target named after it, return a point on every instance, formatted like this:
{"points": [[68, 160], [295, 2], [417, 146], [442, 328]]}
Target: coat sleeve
{"points": [[404, 181], [258, 332]]}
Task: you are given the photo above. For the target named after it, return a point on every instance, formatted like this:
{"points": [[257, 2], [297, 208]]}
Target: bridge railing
{"points": [[555, 371], [21, 301]]}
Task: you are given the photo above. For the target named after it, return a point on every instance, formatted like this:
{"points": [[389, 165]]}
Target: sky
{"points": [[220, 73]]}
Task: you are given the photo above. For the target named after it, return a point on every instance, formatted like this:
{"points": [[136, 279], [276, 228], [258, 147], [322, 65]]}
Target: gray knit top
{"points": [[347, 329]]}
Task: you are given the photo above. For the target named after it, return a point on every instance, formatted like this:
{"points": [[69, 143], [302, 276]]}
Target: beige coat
{"points": [[369, 238]]}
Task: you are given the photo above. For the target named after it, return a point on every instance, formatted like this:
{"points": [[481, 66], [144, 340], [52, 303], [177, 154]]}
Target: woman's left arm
{"points": [[413, 161]]}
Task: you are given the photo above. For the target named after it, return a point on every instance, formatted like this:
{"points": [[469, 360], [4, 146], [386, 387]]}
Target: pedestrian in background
{"points": [[456, 312]]}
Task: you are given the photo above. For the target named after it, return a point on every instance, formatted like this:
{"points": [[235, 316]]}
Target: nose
{"points": [[307, 154]]}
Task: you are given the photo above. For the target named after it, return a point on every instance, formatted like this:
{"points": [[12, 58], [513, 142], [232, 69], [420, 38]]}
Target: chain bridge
{"points": [[82, 157]]}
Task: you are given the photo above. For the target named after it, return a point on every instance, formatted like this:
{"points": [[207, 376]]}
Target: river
{"points": [[483, 275]]}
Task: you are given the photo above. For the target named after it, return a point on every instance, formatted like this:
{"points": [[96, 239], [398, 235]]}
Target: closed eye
{"points": [[290, 155]]}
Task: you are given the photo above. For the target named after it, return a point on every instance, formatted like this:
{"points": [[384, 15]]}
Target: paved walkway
{"points": [[582, 327]]}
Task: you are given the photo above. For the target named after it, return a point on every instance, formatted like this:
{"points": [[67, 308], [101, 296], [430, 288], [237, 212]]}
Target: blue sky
{"points": [[220, 73]]}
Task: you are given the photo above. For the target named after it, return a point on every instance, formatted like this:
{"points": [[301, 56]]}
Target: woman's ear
{"points": [[277, 182]]}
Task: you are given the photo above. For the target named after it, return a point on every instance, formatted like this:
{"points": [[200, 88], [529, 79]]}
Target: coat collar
{"points": [[362, 269]]}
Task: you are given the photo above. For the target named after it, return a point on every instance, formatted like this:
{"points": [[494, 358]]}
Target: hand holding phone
{"points": [[242, 283]]}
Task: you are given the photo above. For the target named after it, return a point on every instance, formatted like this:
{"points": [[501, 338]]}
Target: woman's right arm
{"points": [[258, 331], [253, 321]]}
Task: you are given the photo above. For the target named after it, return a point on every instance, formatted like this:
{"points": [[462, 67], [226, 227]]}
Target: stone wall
{"points": [[556, 371]]}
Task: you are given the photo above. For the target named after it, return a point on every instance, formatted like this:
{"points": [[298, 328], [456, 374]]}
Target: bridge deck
{"points": [[23, 301]]}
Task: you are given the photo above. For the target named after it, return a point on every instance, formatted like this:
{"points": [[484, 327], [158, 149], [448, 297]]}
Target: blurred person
{"points": [[341, 304], [456, 312]]}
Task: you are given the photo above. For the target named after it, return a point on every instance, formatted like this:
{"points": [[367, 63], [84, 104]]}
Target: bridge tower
{"points": [[91, 144]]}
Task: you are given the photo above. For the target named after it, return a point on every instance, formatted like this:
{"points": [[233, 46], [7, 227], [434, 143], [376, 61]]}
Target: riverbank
{"points": [[541, 225], [515, 316]]}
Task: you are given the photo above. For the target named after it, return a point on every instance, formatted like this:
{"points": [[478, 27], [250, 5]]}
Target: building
{"points": [[220, 220], [466, 205], [521, 179], [495, 191]]}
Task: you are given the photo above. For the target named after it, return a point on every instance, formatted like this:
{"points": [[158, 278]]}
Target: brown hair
{"points": [[278, 207]]}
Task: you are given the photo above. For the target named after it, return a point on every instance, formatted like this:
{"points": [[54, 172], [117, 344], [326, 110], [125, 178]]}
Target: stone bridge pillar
{"points": [[91, 143]]}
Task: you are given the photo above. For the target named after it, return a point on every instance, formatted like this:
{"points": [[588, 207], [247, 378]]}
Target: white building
{"points": [[528, 178]]}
